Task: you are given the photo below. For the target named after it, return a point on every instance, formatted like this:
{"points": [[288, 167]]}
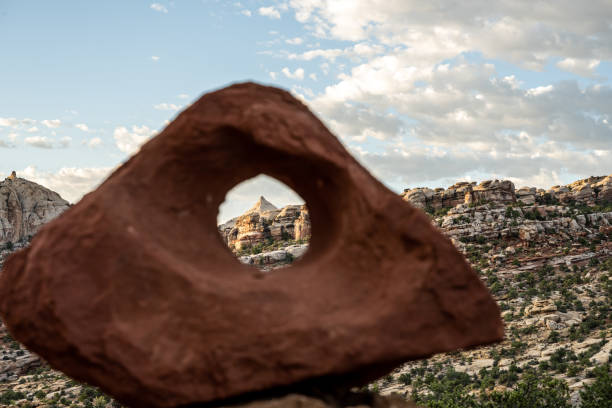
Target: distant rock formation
{"points": [[262, 205], [265, 222], [590, 191], [25, 206], [499, 191]]}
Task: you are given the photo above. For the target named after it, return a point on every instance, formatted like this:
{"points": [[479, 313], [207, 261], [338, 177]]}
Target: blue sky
{"points": [[423, 94]]}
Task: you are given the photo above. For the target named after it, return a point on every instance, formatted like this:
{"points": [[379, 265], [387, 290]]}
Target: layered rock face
{"points": [[494, 209], [423, 197], [266, 223], [590, 191], [528, 222], [460, 193], [24, 207], [491, 191]]}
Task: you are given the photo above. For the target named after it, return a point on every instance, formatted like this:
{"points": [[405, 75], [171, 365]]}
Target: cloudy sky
{"points": [[423, 93]]}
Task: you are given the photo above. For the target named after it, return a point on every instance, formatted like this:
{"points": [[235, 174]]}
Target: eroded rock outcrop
{"points": [[529, 223], [24, 207], [264, 223], [423, 197], [590, 191], [133, 290], [498, 191]]}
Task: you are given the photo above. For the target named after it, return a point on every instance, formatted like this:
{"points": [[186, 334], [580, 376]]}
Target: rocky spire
{"points": [[262, 205]]}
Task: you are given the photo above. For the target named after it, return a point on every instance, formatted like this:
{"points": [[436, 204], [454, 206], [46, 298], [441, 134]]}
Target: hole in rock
{"points": [[264, 223]]}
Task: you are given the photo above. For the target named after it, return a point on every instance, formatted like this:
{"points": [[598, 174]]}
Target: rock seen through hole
{"points": [[264, 223]]}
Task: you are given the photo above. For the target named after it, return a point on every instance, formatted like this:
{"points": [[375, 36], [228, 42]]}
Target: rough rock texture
{"points": [[527, 195], [423, 197], [264, 222], [491, 190], [274, 259], [603, 189], [24, 207], [529, 222], [133, 289], [301, 226], [14, 361], [460, 193], [590, 191]]}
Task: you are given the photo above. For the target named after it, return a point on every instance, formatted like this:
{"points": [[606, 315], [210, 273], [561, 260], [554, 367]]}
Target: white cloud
{"points": [[82, 126], [183, 96], [412, 85], [130, 141], [159, 7], [313, 76], [65, 141], [269, 12], [246, 12], [94, 142], [12, 137], [582, 67], [155, 58], [70, 182], [33, 129], [528, 33], [540, 90], [294, 41], [463, 117], [54, 123], [297, 74], [272, 75], [356, 52], [8, 122], [42, 142], [330, 54], [167, 106]]}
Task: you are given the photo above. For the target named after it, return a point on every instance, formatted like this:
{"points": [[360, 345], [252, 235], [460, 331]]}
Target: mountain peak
{"points": [[262, 205]]}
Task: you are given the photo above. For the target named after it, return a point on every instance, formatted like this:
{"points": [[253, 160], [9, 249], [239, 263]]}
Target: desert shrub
{"points": [[8, 396], [598, 394]]}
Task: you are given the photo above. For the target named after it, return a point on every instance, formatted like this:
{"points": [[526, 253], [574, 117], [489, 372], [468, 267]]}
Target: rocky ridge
{"points": [[264, 224], [546, 257], [587, 191], [24, 207], [547, 262]]}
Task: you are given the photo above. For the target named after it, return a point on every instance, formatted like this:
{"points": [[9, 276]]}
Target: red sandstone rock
{"points": [[132, 289]]}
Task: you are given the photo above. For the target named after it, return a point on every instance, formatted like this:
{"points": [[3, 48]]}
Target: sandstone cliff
{"points": [[24, 207], [264, 223], [590, 191]]}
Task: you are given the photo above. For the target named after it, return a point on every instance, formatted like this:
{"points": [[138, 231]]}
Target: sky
{"points": [[421, 93]]}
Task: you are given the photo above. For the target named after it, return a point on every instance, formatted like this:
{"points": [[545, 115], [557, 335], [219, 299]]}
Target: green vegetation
{"points": [[598, 394], [458, 390], [9, 396], [440, 212], [268, 245]]}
